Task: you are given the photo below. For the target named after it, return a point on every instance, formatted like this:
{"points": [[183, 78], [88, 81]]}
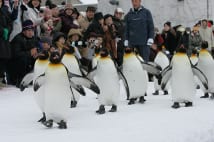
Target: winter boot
{"points": [[188, 104], [43, 119], [165, 92], [175, 105], [156, 93], [142, 100], [113, 108], [131, 101], [206, 95], [73, 104], [62, 125], [48, 123], [101, 110]]}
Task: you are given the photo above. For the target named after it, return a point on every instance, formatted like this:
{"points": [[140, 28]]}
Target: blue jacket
{"points": [[139, 26]]}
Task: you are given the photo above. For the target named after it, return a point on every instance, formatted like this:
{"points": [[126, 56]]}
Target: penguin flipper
{"points": [[28, 78], [39, 82], [165, 76], [125, 82], [151, 68], [78, 88], [201, 76], [84, 81]]}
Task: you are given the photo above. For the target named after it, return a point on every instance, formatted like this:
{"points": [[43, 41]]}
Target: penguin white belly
{"points": [[137, 78], [39, 69], [206, 65], [108, 81], [71, 63], [182, 81], [57, 93], [162, 60]]}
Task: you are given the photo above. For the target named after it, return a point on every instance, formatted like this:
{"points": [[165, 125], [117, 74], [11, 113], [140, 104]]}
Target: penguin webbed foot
{"points": [[131, 101], [62, 125], [73, 104], [101, 110], [48, 123], [142, 100], [36, 87], [212, 96], [156, 93], [113, 108], [165, 92], [206, 95], [188, 104], [198, 87], [22, 87], [176, 105]]}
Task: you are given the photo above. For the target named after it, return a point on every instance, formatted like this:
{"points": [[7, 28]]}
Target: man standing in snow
{"points": [[139, 31]]}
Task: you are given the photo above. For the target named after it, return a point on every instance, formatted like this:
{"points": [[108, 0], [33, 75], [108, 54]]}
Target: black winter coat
{"points": [[5, 22]]}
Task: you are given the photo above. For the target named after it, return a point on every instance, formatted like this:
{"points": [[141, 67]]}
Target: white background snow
{"points": [[154, 121]]}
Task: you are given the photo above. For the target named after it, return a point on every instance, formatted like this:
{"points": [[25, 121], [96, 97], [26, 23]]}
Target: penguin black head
{"points": [[181, 49], [104, 52], [70, 50], [204, 45], [97, 50], [194, 52], [55, 57], [44, 55], [128, 50]]}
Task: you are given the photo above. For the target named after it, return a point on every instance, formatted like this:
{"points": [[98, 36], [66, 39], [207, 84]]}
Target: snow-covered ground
{"points": [[154, 121]]}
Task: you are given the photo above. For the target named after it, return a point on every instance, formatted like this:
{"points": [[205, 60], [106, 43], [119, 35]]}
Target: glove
{"points": [[150, 41], [5, 34], [126, 43]]}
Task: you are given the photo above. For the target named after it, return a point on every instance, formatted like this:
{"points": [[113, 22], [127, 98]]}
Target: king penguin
{"points": [[182, 73], [72, 64], [162, 60], [107, 80], [206, 64], [57, 90], [39, 68], [135, 75]]}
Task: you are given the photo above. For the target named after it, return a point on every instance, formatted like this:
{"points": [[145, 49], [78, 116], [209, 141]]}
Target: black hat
{"points": [[107, 16], [92, 34], [98, 16], [46, 40], [57, 36], [27, 24], [91, 8], [168, 23]]}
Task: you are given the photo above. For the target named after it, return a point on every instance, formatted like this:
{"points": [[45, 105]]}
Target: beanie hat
{"points": [[27, 24], [168, 23], [98, 16], [46, 40], [57, 36]]}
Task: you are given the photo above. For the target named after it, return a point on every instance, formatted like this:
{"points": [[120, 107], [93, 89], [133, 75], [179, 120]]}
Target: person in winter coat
{"points": [[169, 37], [24, 52], [195, 39], [47, 25], [206, 34], [57, 23], [5, 28], [120, 28], [96, 26], [67, 20], [139, 31], [84, 22], [33, 14]]}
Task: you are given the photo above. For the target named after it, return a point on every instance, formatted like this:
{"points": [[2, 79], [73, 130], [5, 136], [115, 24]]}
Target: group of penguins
{"points": [[58, 81]]}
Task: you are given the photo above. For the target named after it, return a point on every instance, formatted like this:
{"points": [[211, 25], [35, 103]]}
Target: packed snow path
{"points": [[154, 121]]}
